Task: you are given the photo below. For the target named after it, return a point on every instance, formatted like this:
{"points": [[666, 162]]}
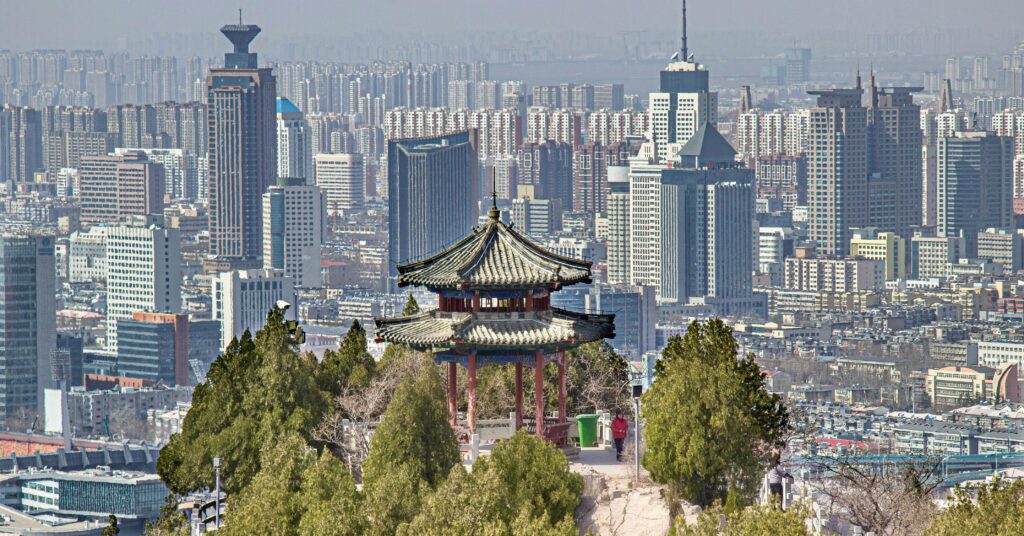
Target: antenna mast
{"points": [[685, 52]]}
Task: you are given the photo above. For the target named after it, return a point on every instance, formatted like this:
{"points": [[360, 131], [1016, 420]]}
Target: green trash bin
{"points": [[587, 424]]}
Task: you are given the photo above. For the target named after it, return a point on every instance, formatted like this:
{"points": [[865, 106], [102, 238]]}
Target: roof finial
{"points": [[494, 214], [239, 16]]}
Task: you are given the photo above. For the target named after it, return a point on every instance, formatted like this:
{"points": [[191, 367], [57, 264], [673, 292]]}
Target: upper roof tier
{"points": [[494, 256]]}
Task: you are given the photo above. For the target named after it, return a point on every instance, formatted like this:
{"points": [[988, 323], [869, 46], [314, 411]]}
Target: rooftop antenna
{"points": [[239, 16], [684, 49]]}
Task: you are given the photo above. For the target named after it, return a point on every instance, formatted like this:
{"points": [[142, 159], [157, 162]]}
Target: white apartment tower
{"points": [[343, 181], [143, 273], [293, 230]]}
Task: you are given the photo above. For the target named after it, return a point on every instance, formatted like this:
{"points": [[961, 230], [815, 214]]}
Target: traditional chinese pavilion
{"points": [[494, 292]]}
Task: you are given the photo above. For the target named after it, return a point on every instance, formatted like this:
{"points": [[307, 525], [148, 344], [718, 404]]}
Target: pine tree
{"points": [[351, 364], [709, 421], [258, 391], [411, 307], [414, 448]]}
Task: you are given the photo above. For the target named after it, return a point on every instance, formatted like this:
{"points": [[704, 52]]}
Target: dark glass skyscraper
{"points": [[433, 189], [242, 147]]}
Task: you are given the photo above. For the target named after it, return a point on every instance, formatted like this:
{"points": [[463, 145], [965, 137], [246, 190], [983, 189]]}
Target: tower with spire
{"points": [[242, 138]]}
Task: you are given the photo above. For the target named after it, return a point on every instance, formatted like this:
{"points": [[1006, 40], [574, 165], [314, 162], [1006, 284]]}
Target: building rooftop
{"points": [[707, 146]]}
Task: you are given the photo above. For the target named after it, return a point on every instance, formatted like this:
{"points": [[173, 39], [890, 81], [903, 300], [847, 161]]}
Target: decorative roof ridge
{"points": [[478, 254], [537, 249], [418, 263]]}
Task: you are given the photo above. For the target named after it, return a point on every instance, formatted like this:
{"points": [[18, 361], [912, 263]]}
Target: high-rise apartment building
{"points": [[894, 124], [21, 143], [119, 186], [242, 299], [342, 179], [975, 186], [433, 190], [609, 96], [28, 329], [143, 273], [294, 150], [837, 169], [547, 166], [590, 173], [293, 230], [618, 224], [242, 149]]}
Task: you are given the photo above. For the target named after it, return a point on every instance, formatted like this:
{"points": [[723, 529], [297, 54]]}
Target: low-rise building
{"points": [[959, 386]]}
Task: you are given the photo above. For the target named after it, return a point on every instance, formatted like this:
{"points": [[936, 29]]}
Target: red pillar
{"points": [[452, 396], [471, 389], [561, 387], [538, 392], [519, 395]]}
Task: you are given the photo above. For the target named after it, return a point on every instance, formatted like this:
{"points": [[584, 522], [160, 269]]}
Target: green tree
{"points": [[524, 487], [412, 451], [758, 520], [351, 364], [709, 422], [411, 307], [111, 529], [172, 522], [296, 493], [998, 509], [258, 391]]}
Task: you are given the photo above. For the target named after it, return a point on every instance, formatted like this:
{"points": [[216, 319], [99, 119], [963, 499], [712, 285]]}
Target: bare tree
{"points": [[891, 499], [347, 430]]}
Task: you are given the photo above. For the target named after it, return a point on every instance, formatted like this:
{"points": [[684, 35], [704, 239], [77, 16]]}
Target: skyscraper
{"points": [[28, 329], [837, 168], [692, 228], [293, 230], [894, 123], [294, 153], [242, 150], [433, 190], [682, 104]]}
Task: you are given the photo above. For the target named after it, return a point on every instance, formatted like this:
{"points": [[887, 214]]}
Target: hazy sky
{"points": [[26, 24]]}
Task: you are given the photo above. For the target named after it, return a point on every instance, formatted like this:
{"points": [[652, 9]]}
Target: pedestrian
{"points": [[620, 426], [775, 476]]}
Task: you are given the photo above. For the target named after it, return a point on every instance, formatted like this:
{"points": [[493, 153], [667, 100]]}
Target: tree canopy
{"points": [[412, 451], [297, 493], [709, 422], [258, 391], [758, 520], [351, 364], [524, 487], [997, 509]]}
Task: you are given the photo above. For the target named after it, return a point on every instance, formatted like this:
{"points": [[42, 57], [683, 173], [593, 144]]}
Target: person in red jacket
{"points": [[620, 426]]}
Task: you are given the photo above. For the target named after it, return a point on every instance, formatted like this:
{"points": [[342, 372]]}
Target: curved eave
{"points": [[558, 329]]}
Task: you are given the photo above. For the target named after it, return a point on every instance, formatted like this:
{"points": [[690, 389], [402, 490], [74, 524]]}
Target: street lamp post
{"points": [[637, 391], [216, 471]]}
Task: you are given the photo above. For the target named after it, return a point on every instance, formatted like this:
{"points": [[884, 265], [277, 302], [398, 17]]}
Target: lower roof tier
{"points": [[437, 330]]}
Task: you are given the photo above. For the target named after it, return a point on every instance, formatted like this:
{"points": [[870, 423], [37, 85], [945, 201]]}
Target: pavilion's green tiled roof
{"points": [[494, 255], [435, 329]]}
